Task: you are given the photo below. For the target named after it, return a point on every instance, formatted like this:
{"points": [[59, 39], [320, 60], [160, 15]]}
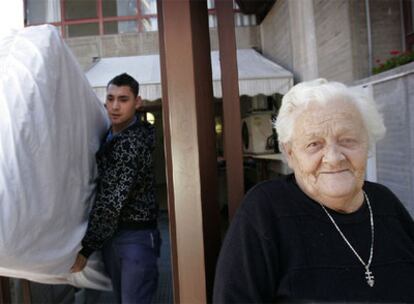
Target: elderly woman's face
{"points": [[328, 151]]}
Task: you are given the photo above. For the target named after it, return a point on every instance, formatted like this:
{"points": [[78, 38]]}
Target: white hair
{"points": [[324, 92]]}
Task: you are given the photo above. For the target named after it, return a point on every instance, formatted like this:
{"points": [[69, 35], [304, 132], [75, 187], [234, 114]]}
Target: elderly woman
{"points": [[322, 233]]}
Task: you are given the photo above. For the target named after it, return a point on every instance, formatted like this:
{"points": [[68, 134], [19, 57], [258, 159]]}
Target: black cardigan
{"points": [[125, 196]]}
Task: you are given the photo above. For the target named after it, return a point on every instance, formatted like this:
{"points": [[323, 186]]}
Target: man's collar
{"points": [[111, 135]]}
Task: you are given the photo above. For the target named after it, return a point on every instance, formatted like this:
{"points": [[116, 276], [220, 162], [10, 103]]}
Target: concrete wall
{"points": [[275, 35], [86, 48], [131, 44], [394, 93], [386, 33], [359, 39], [386, 27], [340, 28], [285, 30], [333, 36], [289, 37]]}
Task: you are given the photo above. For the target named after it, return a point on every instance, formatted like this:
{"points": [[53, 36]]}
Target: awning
{"points": [[257, 74]]}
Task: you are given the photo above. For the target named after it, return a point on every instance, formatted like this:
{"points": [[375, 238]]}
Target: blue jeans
{"points": [[130, 259]]}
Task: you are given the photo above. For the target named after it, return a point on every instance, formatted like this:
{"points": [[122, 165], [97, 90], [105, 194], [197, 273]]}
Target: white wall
{"points": [[275, 35], [386, 27], [333, 37]]}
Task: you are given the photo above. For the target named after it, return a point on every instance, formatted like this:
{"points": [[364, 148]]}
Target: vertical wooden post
{"points": [[304, 48], [5, 290], [189, 146], [27, 295], [231, 104]]}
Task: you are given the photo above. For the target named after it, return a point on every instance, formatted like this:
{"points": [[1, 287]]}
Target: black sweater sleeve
{"points": [[247, 265], [115, 184]]}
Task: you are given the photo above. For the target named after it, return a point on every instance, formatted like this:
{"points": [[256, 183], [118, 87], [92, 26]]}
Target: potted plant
{"points": [[397, 58]]}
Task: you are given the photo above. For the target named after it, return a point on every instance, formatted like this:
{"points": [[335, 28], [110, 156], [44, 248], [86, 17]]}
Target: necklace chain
{"points": [[368, 274]]}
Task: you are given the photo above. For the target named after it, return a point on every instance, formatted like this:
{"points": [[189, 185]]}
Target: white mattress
{"points": [[50, 126]]}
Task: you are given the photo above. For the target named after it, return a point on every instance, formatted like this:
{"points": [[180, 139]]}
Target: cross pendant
{"points": [[370, 277]]}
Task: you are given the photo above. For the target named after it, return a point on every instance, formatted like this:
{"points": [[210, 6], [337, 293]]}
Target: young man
{"points": [[123, 219]]}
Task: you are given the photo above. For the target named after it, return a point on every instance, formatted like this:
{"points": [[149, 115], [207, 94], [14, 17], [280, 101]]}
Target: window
{"points": [[120, 27], [244, 20], [112, 8], [79, 9], [93, 17], [148, 7], [98, 17], [239, 18], [42, 11], [83, 29]]}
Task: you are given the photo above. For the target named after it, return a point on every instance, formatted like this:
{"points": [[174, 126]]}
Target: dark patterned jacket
{"points": [[125, 195]]}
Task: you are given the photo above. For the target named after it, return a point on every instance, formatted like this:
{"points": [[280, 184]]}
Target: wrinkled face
{"points": [[121, 105], [328, 151]]}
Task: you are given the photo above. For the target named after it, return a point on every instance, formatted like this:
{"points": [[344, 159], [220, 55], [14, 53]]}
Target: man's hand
{"points": [[79, 264]]}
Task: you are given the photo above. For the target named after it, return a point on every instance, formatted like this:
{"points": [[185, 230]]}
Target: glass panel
{"points": [[150, 24], [42, 11], [244, 20], [210, 4], [120, 27], [212, 20], [412, 15], [80, 9], [238, 19], [86, 29], [127, 26], [111, 8], [148, 7], [253, 20], [111, 27]]}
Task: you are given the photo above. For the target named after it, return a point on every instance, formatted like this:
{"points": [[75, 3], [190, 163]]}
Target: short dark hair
{"points": [[125, 80]]}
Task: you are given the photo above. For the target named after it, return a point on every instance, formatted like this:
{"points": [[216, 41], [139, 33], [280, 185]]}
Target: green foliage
{"points": [[397, 59]]}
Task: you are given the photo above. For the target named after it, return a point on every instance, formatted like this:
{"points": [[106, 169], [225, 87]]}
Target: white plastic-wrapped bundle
{"points": [[50, 126]]}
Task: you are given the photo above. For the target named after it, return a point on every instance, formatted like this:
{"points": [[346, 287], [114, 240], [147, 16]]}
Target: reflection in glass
{"points": [[127, 26], [113, 8], [244, 20], [80, 9], [150, 24], [148, 7], [119, 27], [78, 30], [42, 11], [212, 20]]}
